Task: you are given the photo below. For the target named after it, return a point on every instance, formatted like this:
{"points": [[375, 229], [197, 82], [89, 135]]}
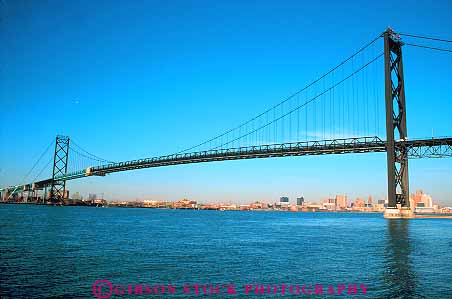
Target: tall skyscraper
{"points": [[341, 201], [420, 197], [300, 201]]}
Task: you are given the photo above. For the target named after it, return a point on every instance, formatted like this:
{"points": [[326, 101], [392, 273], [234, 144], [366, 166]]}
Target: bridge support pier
{"points": [[396, 128], [398, 213]]}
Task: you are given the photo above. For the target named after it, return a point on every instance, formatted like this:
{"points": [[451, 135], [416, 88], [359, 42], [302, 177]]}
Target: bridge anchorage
{"points": [[266, 135]]}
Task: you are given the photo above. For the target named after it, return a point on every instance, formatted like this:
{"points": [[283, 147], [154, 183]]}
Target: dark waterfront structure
{"points": [[284, 199], [300, 201]]}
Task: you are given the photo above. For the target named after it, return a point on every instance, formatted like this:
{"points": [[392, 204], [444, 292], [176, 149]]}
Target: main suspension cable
{"points": [[307, 102], [428, 47], [286, 99], [426, 37]]}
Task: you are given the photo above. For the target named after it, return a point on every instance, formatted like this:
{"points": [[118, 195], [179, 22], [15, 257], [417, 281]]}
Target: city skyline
{"points": [[342, 200], [116, 99], [420, 203]]}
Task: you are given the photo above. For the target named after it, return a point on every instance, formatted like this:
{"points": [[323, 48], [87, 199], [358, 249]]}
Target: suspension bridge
{"points": [[346, 110]]}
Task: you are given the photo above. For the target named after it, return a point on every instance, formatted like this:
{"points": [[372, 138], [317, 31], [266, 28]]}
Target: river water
{"points": [[61, 252]]}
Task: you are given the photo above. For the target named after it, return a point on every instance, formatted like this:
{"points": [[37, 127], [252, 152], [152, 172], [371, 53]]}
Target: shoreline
{"points": [[417, 216]]}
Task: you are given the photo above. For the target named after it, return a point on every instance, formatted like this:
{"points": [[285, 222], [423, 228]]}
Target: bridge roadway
{"points": [[419, 148], [441, 147]]}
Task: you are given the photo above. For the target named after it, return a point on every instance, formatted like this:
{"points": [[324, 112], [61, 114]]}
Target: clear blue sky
{"points": [[133, 80]]}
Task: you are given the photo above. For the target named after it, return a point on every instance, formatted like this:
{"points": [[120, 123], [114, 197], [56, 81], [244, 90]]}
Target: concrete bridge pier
{"points": [[398, 212]]}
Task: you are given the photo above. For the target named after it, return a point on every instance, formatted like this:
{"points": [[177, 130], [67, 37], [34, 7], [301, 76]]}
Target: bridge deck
{"points": [[416, 149], [336, 146], [431, 148]]}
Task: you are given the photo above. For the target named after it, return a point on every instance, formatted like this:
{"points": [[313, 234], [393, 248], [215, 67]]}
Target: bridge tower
{"points": [[396, 129], [58, 186]]}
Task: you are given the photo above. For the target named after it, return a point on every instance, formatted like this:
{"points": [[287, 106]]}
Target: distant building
{"points": [[341, 202], [420, 199], [284, 199], [185, 204], [258, 205], [312, 206], [379, 206], [329, 204], [283, 202], [153, 204], [100, 202], [228, 207], [76, 196], [209, 207], [300, 201], [359, 203], [245, 207]]}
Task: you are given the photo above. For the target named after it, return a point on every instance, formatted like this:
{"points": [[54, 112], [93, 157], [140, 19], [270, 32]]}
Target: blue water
{"points": [[61, 251]]}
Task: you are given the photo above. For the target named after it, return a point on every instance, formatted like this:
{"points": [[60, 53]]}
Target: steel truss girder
{"points": [[323, 147], [430, 148], [424, 148], [415, 149]]}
